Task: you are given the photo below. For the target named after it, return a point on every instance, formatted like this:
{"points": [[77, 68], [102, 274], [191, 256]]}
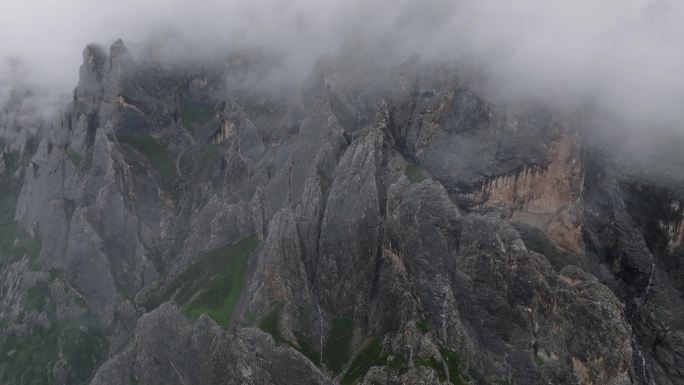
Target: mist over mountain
{"points": [[622, 55], [307, 192]]}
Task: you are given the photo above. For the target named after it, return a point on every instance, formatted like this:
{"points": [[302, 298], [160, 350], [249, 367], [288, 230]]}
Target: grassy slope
{"points": [[212, 284], [160, 159], [338, 348]]}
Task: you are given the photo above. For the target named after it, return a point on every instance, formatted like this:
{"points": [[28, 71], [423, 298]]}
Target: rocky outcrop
{"points": [[189, 223], [546, 196]]}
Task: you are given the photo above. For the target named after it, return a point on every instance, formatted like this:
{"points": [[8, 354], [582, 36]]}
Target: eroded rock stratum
{"points": [[191, 224]]}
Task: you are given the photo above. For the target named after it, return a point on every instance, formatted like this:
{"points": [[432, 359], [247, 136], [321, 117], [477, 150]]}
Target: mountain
{"points": [[207, 222]]}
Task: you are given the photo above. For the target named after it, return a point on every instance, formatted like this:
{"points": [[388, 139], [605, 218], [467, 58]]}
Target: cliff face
{"points": [[546, 196], [191, 224]]}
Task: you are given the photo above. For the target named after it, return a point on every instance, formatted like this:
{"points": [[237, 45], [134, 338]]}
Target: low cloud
{"points": [[624, 56]]}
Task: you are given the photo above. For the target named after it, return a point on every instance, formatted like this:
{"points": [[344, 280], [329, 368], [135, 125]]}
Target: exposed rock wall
{"points": [[547, 196], [191, 225]]}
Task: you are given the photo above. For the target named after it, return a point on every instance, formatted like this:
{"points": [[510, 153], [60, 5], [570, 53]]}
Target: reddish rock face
{"points": [[545, 196]]}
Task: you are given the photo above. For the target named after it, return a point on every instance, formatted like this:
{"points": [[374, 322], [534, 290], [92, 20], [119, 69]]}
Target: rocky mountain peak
{"points": [[191, 223], [94, 61]]}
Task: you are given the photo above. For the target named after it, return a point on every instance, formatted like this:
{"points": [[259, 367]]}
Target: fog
{"points": [[624, 56]]}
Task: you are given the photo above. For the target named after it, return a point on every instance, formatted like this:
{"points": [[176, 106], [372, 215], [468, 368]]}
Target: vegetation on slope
{"points": [[159, 157], [447, 365], [212, 284], [370, 356], [338, 347], [194, 113], [271, 324], [454, 367], [74, 157], [74, 347], [414, 173], [15, 242]]}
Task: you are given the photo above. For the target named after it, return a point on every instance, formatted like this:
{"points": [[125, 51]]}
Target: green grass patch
{"points": [[15, 242], [36, 296], [74, 157], [201, 163], [453, 363], [423, 326], [338, 347], [159, 157], [450, 359], [415, 174], [307, 350], [250, 318], [27, 360], [398, 363], [208, 155], [11, 160], [9, 193], [212, 284], [370, 356], [432, 363], [271, 324], [194, 113], [81, 351]]}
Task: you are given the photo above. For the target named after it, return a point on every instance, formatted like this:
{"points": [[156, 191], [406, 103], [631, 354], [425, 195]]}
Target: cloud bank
{"points": [[626, 56]]}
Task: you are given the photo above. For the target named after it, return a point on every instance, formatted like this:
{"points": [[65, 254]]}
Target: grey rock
{"points": [[398, 225]]}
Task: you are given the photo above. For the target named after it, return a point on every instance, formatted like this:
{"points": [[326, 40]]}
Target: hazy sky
{"points": [[627, 55]]}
